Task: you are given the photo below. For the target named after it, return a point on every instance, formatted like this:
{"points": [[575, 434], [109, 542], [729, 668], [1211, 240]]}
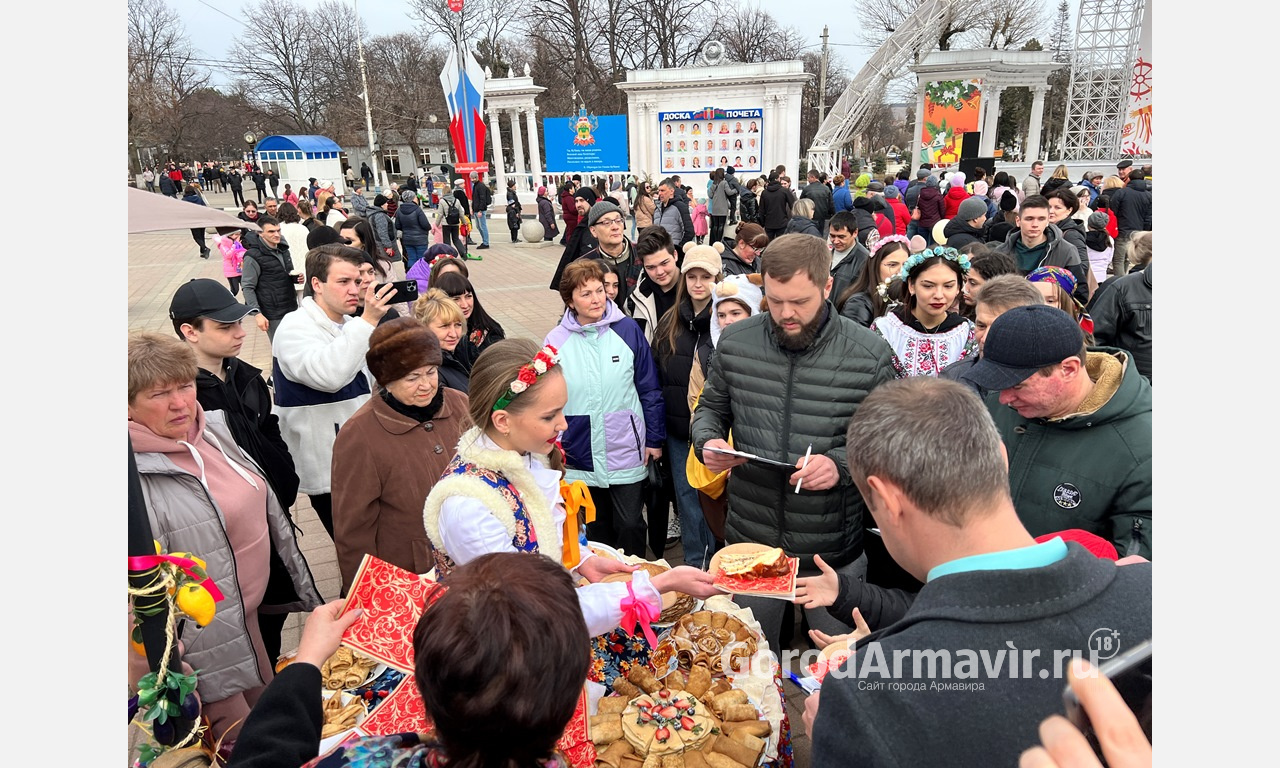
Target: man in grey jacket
{"points": [[359, 204], [980, 657], [786, 382], [668, 215]]}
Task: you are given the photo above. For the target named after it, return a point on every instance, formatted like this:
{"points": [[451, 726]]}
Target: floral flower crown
{"points": [[528, 375], [916, 259], [882, 242]]}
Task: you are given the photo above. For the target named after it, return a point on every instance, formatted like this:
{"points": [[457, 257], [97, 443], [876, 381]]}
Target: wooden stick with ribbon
{"points": [[577, 498]]}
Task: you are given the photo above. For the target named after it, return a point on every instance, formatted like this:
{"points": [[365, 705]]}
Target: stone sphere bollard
{"points": [[532, 231]]}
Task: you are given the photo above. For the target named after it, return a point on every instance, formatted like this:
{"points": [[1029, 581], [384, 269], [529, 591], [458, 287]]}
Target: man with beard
{"points": [[786, 382]]}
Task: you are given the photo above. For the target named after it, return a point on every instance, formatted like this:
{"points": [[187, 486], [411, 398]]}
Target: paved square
{"points": [[511, 281]]}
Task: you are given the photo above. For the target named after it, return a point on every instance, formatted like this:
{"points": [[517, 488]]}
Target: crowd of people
{"points": [[957, 369]]}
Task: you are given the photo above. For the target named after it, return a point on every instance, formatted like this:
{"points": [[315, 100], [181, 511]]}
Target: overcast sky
{"points": [[212, 24]]}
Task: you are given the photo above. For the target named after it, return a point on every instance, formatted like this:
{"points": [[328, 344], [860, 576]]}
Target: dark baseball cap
{"points": [[1022, 341], [207, 298]]}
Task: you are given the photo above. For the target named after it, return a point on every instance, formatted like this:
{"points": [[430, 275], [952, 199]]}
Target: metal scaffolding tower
{"points": [[1107, 34], [917, 34]]}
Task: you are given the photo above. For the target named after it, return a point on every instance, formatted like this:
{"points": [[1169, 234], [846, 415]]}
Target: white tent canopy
{"points": [[149, 212]]}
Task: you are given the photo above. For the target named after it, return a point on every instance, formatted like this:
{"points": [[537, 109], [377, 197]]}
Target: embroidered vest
{"points": [[524, 540]]}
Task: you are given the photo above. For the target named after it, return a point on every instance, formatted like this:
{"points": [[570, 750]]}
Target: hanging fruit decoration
{"points": [[166, 700]]}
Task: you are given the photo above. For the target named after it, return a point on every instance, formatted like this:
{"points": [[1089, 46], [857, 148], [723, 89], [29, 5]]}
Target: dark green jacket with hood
{"points": [[1091, 469]]}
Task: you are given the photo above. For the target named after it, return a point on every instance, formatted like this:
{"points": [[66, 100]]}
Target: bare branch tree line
{"points": [[294, 65]]}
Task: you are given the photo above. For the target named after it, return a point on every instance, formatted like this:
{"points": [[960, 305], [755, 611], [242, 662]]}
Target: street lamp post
{"points": [[368, 115]]}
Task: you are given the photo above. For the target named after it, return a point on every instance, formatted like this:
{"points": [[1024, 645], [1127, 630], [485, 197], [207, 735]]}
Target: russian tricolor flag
{"points": [[463, 82]]}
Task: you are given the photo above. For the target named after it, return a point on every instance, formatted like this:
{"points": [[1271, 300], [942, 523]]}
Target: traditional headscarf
{"points": [[1065, 280]]}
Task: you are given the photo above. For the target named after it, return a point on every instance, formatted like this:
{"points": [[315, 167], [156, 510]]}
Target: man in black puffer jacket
{"points": [[820, 194], [268, 287], [787, 381], [775, 207]]}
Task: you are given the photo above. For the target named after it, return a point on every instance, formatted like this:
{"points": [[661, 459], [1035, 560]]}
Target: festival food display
{"points": [[342, 712], [346, 669], [710, 699], [678, 723], [755, 569], [707, 639]]}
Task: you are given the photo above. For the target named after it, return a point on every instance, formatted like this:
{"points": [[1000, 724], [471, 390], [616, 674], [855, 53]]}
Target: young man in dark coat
{"points": [[1132, 206], [1037, 243], [966, 227], [775, 207], [979, 658], [208, 317], [481, 199], [582, 241], [267, 283], [820, 194], [260, 184]]}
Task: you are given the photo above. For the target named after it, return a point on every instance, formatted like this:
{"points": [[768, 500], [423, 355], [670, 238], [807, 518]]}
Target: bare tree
{"points": [[483, 21], [837, 81], [881, 18], [163, 78], [211, 135], [673, 32], [753, 35], [402, 97], [564, 30], [276, 61], [1009, 24], [881, 129]]}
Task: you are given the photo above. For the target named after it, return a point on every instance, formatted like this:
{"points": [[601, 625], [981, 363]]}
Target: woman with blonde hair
{"points": [[1103, 203], [1061, 177], [802, 218], [444, 317]]}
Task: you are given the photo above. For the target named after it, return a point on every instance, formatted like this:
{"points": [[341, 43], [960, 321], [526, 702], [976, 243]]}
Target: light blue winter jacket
{"points": [[615, 407]]}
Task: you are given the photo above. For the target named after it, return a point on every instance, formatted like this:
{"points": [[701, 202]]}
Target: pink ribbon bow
{"points": [[146, 562], [636, 611]]}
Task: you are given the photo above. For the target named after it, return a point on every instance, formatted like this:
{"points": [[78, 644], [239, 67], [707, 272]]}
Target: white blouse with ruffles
{"points": [[469, 530]]}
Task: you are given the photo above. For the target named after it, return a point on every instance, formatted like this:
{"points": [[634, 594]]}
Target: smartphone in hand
{"points": [[403, 290], [1130, 673]]}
